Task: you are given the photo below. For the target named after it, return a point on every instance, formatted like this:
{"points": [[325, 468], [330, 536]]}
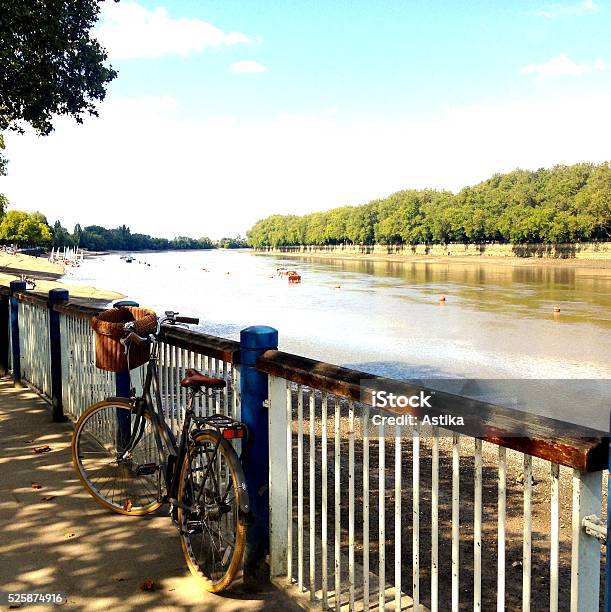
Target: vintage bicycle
{"points": [[129, 460]]}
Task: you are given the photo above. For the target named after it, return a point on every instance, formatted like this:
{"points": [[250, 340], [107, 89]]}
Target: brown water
{"points": [[385, 317]]}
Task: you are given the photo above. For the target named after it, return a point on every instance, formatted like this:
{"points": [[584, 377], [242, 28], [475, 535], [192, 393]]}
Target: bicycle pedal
{"points": [[146, 469]]}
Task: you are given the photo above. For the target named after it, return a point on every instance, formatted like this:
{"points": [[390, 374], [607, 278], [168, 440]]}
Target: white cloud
{"points": [[569, 10], [216, 176], [562, 65], [249, 66], [128, 30]]}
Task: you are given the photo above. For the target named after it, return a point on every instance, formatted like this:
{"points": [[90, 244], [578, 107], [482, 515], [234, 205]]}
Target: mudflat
{"points": [[47, 276]]}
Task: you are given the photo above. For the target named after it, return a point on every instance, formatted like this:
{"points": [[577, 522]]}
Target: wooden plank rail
{"points": [[564, 443], [212, 346], [36, 299], [77, 310]]}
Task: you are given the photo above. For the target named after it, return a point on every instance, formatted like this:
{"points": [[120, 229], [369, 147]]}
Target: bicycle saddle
{"points": [[197, 379]]}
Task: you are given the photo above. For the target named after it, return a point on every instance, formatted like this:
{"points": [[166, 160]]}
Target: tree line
{"points": [[560, 204], [33, 230]]}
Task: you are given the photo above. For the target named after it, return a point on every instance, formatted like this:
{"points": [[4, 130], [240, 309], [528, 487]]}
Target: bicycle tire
{"points": [[228, 454], [127, 504]]}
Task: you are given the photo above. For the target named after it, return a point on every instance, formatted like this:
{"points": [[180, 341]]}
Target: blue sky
{"points": [[229, 111], [370, 57]]}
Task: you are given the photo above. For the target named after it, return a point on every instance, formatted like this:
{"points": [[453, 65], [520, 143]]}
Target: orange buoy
{"points": [[442, 298], [556, 309]]}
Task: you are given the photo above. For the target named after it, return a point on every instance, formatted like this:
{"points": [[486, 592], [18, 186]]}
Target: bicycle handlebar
{"points": [[170, 317], [189, 320]]}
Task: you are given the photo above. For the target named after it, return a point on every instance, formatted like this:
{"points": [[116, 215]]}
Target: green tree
{"points": [[23, 228], [49, 62], [77, 234], [60, 236], [563, 203]]}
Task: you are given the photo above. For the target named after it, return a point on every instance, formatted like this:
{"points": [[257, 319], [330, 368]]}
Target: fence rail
{"points": [[367, 517]]}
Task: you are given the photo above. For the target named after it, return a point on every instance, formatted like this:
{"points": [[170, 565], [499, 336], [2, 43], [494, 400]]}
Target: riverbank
{"points": [[569, 251], [599, 264], [47, 276]]}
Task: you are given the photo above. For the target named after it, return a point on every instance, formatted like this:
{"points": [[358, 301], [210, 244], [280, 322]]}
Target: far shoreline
{"points": [[574, 263]]}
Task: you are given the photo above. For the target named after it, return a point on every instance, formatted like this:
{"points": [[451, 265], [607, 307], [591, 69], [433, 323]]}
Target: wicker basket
{"points": [[108, 327]]}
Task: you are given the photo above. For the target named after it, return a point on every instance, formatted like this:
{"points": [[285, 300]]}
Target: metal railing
{"points": [[422, 518], [34, 346], [373, 518], [84, 384]]}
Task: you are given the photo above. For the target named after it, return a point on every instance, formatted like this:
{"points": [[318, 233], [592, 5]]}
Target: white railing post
{"points": [[279, 484], [585, 559]]}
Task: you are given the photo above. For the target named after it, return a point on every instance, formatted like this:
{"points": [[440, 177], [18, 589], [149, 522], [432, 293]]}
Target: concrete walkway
{"points": [[57, 539]]}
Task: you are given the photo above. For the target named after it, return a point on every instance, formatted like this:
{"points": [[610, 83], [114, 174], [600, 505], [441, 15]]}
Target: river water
{"points": [[497, 321]]}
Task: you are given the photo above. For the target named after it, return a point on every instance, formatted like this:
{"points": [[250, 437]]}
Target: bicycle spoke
{"points": [[110, 473]]}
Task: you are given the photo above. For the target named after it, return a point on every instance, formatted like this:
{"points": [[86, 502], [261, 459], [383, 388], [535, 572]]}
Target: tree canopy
{"points": [[98, 238], [24, 228], [560, 204], [49, 62]]}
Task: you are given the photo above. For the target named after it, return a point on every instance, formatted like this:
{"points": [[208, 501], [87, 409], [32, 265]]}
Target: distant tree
{"points": [[593, 202], [23, 228], [60, 236], [232, 243], [563, 203], [77, 234]]}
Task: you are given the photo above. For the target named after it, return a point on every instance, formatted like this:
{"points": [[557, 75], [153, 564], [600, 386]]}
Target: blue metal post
{"points": [[608, 543], [255, 457], [56, 296], [16, 285], [4, 337], [123, 389]]}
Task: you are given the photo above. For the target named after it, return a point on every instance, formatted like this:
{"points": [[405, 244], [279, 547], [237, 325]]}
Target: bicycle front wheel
{"points": [[129, 484], [211, 534]]}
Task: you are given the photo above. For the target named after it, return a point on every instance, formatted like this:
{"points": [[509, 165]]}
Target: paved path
{"points": [[70, 544]]}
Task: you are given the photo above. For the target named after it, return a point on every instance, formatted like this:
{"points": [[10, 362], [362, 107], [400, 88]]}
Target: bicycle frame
{"points": [[171, 452], [150, 403]]}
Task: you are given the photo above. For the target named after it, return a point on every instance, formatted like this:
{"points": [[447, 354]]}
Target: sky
{"points": [[227, 111]]}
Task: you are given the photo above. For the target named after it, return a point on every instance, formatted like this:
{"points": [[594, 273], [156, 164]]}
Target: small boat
{"points": [[129, 259], [294, 278]]}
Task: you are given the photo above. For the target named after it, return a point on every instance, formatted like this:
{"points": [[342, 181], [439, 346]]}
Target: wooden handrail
{"points": [[77, 310], [564, 443], [212, 346], [32, 298]]}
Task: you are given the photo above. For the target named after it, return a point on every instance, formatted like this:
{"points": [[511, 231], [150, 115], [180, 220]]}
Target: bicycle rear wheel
{"points": [[127, 485], [211, 534]]}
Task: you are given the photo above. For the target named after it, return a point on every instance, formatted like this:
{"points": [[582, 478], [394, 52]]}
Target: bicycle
{"points": [[129, 460]]}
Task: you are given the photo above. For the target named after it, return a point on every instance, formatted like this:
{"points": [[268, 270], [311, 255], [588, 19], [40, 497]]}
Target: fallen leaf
{"points": [[148, 585], [36, 485], [69, 534], [48, 497], [120, 579], [14, 606], [41, 449], [127, 506], [30, 441]]}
